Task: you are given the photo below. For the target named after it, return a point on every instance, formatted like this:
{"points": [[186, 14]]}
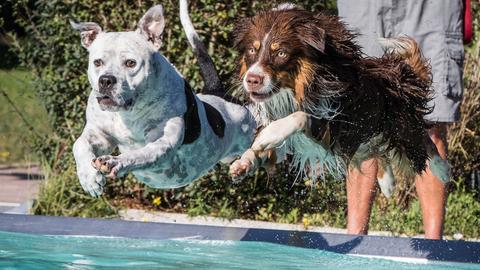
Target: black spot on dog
{"points": [[193, 127], [215, 120]]}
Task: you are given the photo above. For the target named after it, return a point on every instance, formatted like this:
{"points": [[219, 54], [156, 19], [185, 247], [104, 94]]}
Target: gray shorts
{"points": [[437, 27]]}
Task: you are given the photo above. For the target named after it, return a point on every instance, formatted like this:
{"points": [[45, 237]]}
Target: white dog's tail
{"points": [[213, 84]]}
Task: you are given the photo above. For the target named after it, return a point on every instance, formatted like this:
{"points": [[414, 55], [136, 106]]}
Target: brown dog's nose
{"points": [[254, 81], [106, 83]]}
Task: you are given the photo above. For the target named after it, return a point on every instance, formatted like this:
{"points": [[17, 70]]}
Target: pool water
{"points": [[25, 251]]}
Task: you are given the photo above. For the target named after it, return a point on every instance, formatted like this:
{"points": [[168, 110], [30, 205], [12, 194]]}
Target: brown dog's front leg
{"points": [[245, 165], [279, 130], [250, 161]]}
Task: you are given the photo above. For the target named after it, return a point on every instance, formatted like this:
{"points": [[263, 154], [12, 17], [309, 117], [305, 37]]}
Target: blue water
{"points": [[25, 251]]}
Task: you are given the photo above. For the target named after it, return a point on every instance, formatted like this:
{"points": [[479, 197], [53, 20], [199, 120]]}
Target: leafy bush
{"points": [[462, 215], [53, 53], [61, 195], [464, 136], [23, 116]]}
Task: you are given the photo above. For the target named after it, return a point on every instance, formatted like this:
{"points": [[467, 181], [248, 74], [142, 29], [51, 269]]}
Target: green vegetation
{"points": [[17, 127], [62, 195], [58, 66], [462, 215]]}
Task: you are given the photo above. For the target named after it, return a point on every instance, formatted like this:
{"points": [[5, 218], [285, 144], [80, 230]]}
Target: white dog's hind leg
{"points": [[440, 168]]}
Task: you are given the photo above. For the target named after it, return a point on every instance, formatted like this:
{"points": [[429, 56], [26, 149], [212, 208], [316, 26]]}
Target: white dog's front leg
{"points": [[278, 131], [149, 155], [85, 149]]}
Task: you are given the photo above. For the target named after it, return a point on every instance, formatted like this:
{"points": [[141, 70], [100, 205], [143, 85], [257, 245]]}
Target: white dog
{"points": [[167, 135]]}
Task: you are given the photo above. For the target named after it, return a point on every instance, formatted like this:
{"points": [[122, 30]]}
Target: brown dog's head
{"points": [[289, 48], [278, 49]]}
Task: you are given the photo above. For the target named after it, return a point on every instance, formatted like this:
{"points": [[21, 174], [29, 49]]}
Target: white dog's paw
{"points": [[110, 166], [92, 182], [240, 169]]}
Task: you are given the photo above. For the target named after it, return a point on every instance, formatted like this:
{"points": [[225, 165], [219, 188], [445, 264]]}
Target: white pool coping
{"points": [[176, 218]]}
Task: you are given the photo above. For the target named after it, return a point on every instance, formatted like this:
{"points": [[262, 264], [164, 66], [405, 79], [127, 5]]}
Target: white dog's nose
{"points": [[106, 83]]}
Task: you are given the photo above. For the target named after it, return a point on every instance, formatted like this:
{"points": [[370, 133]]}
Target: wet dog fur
{"points": [[319, 98]]}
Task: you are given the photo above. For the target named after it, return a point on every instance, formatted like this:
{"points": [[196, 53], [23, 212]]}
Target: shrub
{"points": [[61, 195], [464, 136]]}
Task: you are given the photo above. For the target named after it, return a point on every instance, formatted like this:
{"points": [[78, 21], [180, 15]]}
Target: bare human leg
{"points": [[361, 189], [431, 191]]}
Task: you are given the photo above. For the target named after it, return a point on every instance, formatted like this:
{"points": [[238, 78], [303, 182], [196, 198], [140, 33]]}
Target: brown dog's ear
{"points": [[240, 30], [313, 36]]}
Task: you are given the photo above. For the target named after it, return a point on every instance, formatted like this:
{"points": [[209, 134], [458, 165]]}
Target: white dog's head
{"points": [[120, 62]]}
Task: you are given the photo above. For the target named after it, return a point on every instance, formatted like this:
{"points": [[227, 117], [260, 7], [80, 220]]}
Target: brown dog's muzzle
{"points": [[254, 82]]}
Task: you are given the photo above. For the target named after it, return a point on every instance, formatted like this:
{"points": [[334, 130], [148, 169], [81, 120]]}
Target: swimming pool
{"points": [[27, 251], [39, 242]]}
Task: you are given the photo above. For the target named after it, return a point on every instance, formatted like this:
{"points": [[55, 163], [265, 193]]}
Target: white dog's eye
{"points": [[130, 63], [252, 51], [282, 54], [98, 62]]}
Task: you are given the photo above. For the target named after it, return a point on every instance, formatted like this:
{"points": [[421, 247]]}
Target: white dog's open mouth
{"points": [[106, 101]]}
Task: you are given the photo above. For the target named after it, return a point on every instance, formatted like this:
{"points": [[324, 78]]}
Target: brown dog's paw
{"points": [[240, 169]]}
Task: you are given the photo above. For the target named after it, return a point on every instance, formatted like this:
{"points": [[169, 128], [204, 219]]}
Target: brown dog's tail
{"points": [[408, 84], [407, 48]]}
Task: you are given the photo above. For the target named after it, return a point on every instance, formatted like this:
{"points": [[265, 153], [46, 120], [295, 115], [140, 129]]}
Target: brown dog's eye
{"points": [[282, 54], [98, 62], [252, 51], [130, 63]]}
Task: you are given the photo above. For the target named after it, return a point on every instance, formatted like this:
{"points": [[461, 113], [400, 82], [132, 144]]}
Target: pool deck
{"points": [[177, 218], [19, 186], [400, 248]]}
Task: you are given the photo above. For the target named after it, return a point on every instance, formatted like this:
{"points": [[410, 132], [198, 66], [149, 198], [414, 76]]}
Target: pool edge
{"points": [[437, 250]]}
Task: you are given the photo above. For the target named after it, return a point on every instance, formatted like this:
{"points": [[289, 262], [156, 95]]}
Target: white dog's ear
{"points": [[88, 31], [152, 24]]}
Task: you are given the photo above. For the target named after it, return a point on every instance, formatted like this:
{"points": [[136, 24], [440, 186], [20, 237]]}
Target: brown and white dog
{"points": [[321, 100]]}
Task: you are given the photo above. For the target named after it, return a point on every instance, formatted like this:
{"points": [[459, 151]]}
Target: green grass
{"points": [[61, 195], [15, 134]]}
